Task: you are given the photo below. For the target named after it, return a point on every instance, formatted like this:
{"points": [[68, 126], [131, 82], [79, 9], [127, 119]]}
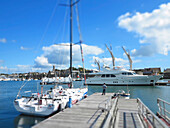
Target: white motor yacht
{"points": [[121, 77]]}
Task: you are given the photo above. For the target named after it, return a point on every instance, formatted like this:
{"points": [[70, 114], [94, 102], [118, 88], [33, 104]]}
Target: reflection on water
{"points": [[25, 121]]}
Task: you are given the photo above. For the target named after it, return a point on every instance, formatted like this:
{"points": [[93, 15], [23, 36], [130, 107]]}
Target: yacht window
{"points": [[113, 75], [129, 73], [90, 76], [124, 73], [107, 75], [103, 75]]}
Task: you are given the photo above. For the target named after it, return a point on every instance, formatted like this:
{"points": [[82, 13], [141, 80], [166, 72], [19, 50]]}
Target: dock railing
{"points": [[105, 105], [111, 115], [148, 118], [163, 109]]}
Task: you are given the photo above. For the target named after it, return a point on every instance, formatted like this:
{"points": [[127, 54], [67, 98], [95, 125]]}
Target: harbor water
{"points": [[10, 118]]}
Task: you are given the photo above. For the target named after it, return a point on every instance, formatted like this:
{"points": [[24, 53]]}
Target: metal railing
{"points": [[163, 112], [106, 104], [111, 116], [148, 118]]}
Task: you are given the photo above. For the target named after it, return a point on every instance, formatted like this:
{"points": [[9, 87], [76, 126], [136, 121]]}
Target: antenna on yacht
{"points": [[113, 58], [128, 55]]}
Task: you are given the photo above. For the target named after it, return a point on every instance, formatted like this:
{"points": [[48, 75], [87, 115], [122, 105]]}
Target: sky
{"points": [[31, 31]]}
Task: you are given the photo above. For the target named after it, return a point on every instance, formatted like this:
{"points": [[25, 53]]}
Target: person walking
{"points": [[104, 89]]}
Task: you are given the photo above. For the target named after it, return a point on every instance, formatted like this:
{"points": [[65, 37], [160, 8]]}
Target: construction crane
{"points": [[98, 63], [113, 58], [128, 55]]}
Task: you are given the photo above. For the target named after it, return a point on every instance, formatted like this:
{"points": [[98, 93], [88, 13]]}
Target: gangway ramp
{"points": [[127, 114]]}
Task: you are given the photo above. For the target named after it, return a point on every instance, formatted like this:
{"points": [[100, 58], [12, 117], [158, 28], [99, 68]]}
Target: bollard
{"points": [[70, 102]]}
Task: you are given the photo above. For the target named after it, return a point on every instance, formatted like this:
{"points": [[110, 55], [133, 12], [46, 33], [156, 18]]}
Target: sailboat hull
{"points": [[34, 109]]}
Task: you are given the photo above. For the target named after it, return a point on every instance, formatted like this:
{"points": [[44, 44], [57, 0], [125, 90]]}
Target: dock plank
{"points": [[127, 115]]}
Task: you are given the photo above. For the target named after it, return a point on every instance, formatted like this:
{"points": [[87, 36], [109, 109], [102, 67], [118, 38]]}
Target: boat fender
{"points": [[50, 106], [16, 102], [70, 102], [85, 96]]}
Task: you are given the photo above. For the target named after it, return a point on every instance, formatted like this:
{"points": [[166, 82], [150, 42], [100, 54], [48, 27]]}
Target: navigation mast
{"points": [[71, 38], [71, 35], [130, 60], [113, 58], [98, 63]]}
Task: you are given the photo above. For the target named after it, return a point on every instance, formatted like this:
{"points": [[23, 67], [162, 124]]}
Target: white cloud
{"points": [[14, 41], [21, 68], [108, 61], [59, 55], [3, 69], [1, 61], [3, 40], [93, 65], [153, 29], [42, 62], [97, 29], [24, 48], [80, 66]]}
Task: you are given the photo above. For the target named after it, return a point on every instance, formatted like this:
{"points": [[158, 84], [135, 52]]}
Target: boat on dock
{"points": [[56, 80], [56, 99], [122, 93], [121, 77], [49, 102]]}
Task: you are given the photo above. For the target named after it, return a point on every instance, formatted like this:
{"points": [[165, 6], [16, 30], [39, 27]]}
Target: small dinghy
{"points": [[122, 93]]}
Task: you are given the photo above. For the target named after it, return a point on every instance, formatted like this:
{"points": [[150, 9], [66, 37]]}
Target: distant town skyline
{"points": [[30, 32]]}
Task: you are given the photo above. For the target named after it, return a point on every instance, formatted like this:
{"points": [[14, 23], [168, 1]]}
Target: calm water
{"points": [[10, 118]]}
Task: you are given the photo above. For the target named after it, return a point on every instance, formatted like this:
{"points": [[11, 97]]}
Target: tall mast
{"points": [[98, 64], [71, 32], [113, 58], [128, 55], [71, 36]]}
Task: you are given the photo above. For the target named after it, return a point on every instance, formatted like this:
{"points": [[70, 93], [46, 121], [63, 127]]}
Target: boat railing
{"points": [[148, 118], [163, 109]]}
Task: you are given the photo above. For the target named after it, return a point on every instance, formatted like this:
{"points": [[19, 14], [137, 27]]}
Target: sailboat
{"points": [[53, 100]]}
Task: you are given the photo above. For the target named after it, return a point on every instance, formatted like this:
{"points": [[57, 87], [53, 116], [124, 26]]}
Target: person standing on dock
{"points": [[104, 89]]}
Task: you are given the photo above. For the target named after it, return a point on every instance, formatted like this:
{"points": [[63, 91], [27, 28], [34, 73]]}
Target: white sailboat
{"points": [[54, 99], [50, 102]]}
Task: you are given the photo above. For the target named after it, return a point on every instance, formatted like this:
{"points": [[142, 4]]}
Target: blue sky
{"points": [[29, 30]]}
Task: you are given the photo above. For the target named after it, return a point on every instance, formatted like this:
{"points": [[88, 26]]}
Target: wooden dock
{"points": [[101, 111], [84, 114]]}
